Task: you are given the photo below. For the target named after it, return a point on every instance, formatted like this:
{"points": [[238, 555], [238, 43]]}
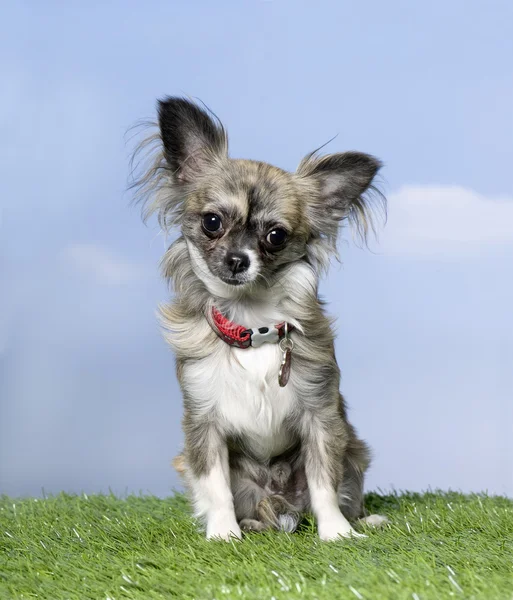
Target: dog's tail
{"points": [[276, 512], [288, 522], [179, 464]]}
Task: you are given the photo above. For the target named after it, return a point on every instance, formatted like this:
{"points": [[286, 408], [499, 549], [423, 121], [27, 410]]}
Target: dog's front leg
{"points": [[209, 479], [323, 443]]}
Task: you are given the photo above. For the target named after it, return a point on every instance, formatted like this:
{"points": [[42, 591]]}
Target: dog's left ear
{"points": [[338, 182]]}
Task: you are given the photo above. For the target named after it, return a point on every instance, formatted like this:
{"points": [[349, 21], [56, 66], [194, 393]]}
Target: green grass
{"points": [[77, 547]]}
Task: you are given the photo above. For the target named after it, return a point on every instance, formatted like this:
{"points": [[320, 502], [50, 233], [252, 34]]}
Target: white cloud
{"points": [[433, 220], [100, 264]]}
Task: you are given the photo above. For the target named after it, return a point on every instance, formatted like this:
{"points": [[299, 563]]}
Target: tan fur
{"points": [[179, 464]]}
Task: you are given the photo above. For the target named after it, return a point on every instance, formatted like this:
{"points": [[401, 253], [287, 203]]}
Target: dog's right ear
{"points": [[192, 139]]}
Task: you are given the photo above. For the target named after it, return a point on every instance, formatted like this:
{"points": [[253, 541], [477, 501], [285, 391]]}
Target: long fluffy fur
{"points": [[263, 457]]}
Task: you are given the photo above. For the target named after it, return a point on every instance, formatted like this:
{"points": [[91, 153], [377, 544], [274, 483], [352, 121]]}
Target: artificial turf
{"points": [[438, 545]]}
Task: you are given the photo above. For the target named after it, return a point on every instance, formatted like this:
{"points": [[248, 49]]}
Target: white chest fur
{"points": [[241, 386]]}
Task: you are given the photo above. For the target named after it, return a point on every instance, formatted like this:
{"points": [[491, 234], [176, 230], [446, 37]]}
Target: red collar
{"points": [[243, 337]]}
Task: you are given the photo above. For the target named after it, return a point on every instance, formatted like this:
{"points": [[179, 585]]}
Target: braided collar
{"points": [[244, 337]]}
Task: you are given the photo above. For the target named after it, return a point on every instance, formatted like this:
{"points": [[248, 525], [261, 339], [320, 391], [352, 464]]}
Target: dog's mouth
{"points": [[233, 281]]}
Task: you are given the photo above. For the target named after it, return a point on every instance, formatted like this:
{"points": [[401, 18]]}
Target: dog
{"points": [[267, 437]]}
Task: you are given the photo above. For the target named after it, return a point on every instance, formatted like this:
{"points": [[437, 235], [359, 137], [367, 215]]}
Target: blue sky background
{"points": [[88, 397]]}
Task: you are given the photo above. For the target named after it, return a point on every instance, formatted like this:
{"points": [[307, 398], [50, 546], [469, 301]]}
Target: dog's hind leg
{"points": [[256, 511], [248, 482], [253, 525], [258, 493], [278, 513], [350, 491], [246, 496]]}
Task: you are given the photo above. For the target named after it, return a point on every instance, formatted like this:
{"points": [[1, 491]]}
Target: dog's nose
{"points": [[237, 262]]}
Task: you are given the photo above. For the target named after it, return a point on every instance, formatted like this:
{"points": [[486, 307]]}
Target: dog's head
{"points": [[244, 220]]}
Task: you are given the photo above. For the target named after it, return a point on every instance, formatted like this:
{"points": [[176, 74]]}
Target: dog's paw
{"points": [[225, 535], [375, 521], [253, 525], [330, 531], [223, 528]]}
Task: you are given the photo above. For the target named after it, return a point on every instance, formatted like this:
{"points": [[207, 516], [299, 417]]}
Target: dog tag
{"points": [[286, 345], [284, 373]]}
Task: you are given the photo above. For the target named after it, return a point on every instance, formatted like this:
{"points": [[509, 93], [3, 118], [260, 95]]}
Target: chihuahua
{"points": [[267, 437]]}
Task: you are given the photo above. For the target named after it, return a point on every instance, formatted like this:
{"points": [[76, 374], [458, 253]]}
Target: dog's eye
{"points": [[276, 237], [212, 222]]}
